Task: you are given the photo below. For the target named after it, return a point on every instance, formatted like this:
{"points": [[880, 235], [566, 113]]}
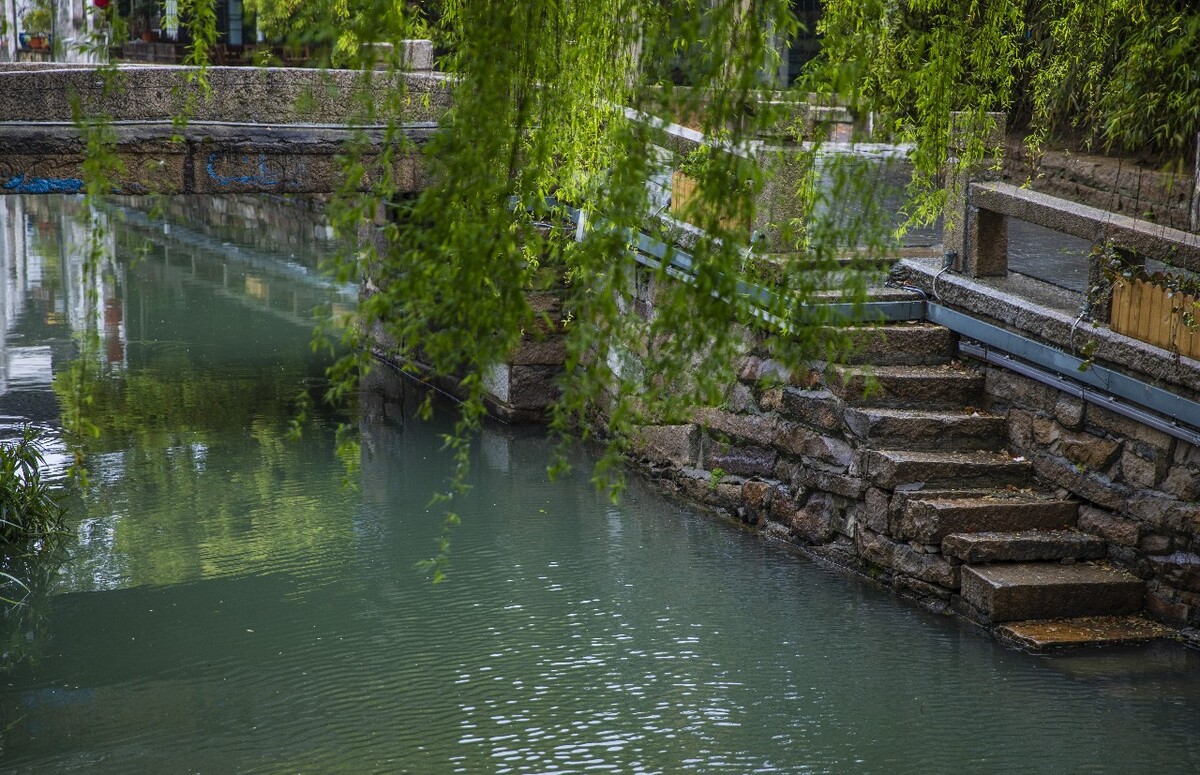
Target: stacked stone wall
{"points": [[1140, 487]]}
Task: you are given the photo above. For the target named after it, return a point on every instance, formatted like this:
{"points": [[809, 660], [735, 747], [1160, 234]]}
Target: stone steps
{"points": [[931, 518], [899, 344], [1009, 592], [1047, 634], [920, 429], [1023, 546], [891, 468], [944, 386]]}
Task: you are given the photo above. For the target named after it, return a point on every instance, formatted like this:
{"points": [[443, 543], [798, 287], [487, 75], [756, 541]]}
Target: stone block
{"points": [[1154, 543], [931, 568], [1180, 570], [1120, 426], [1182, 482], [674, 444], [1140, 472], [876, 549], [1091, 452], [818, 476], [756, 495], [755, 429], [1045, 431], [740, 399], [830, 450], [749, 461], [876, 512], [782, 506], [1164, 513], [814, 522], [792, 438], [818, 408], [921, 590], [1111, 528], [756, 369], [1069, 410], [1015, 591], [1012, 389], [547, 352], [1020, 428], [1161, 607], [1091, 486]]}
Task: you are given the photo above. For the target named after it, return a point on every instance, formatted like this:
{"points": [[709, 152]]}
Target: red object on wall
{"points": [[100, 3]]}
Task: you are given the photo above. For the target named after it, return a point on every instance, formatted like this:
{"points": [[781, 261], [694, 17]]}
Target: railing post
{"points": [[1194, 221], [778, 209], [979, 237]]}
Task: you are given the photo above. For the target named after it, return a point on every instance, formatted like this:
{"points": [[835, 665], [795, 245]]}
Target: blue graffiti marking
{"points": [[26, 185], [260, 179]]}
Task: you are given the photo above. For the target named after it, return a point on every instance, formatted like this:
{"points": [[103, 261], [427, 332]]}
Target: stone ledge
{"points": [[992, 302]]}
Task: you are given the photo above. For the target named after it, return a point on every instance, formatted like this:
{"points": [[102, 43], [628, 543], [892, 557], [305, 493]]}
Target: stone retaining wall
{"points": [[1140, 487]]}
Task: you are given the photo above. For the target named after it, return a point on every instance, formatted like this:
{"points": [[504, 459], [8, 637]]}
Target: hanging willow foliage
{"points": [[1116, 75], [539, 126]]}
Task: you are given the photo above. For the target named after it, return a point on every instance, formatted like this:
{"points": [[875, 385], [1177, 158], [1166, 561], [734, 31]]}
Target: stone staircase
{"points": [[1020, 566]]}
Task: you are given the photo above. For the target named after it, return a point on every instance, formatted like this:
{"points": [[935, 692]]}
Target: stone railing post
{"points": [[778, 207], [1194, 220], [415, 55], [979, 238]]}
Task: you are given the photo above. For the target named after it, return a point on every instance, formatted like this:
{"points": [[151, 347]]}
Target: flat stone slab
{"points": [[1023, 546], [891, 468], [1050, 634], [927, 429], [929, 519], [1016, 591]]}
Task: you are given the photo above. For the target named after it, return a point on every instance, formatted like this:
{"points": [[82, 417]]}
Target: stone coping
{"points": [[1140, 236], [995, 303]]}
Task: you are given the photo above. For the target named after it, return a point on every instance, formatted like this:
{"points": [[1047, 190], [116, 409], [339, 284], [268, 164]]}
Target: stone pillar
{"points": [[416, 55], [1194, 223], [778, 204], [978, 237]]}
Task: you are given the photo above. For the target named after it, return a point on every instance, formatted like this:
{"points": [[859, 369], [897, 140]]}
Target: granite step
{"points": [[1023, 546], [899, 344], [922, 429], [930, 518], [948, 386], [892, 468], [1009, 592], [1050, 634]]}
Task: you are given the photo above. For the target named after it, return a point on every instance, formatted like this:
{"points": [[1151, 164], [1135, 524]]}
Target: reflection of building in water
{"points": [[44, 246]]}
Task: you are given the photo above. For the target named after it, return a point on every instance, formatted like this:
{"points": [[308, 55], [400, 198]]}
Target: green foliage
{"points": [[38, 18], [1121, 74], [30, 514], [536, 124]]}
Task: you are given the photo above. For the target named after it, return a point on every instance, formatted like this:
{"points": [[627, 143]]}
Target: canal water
{"points": [[225, 605]]}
